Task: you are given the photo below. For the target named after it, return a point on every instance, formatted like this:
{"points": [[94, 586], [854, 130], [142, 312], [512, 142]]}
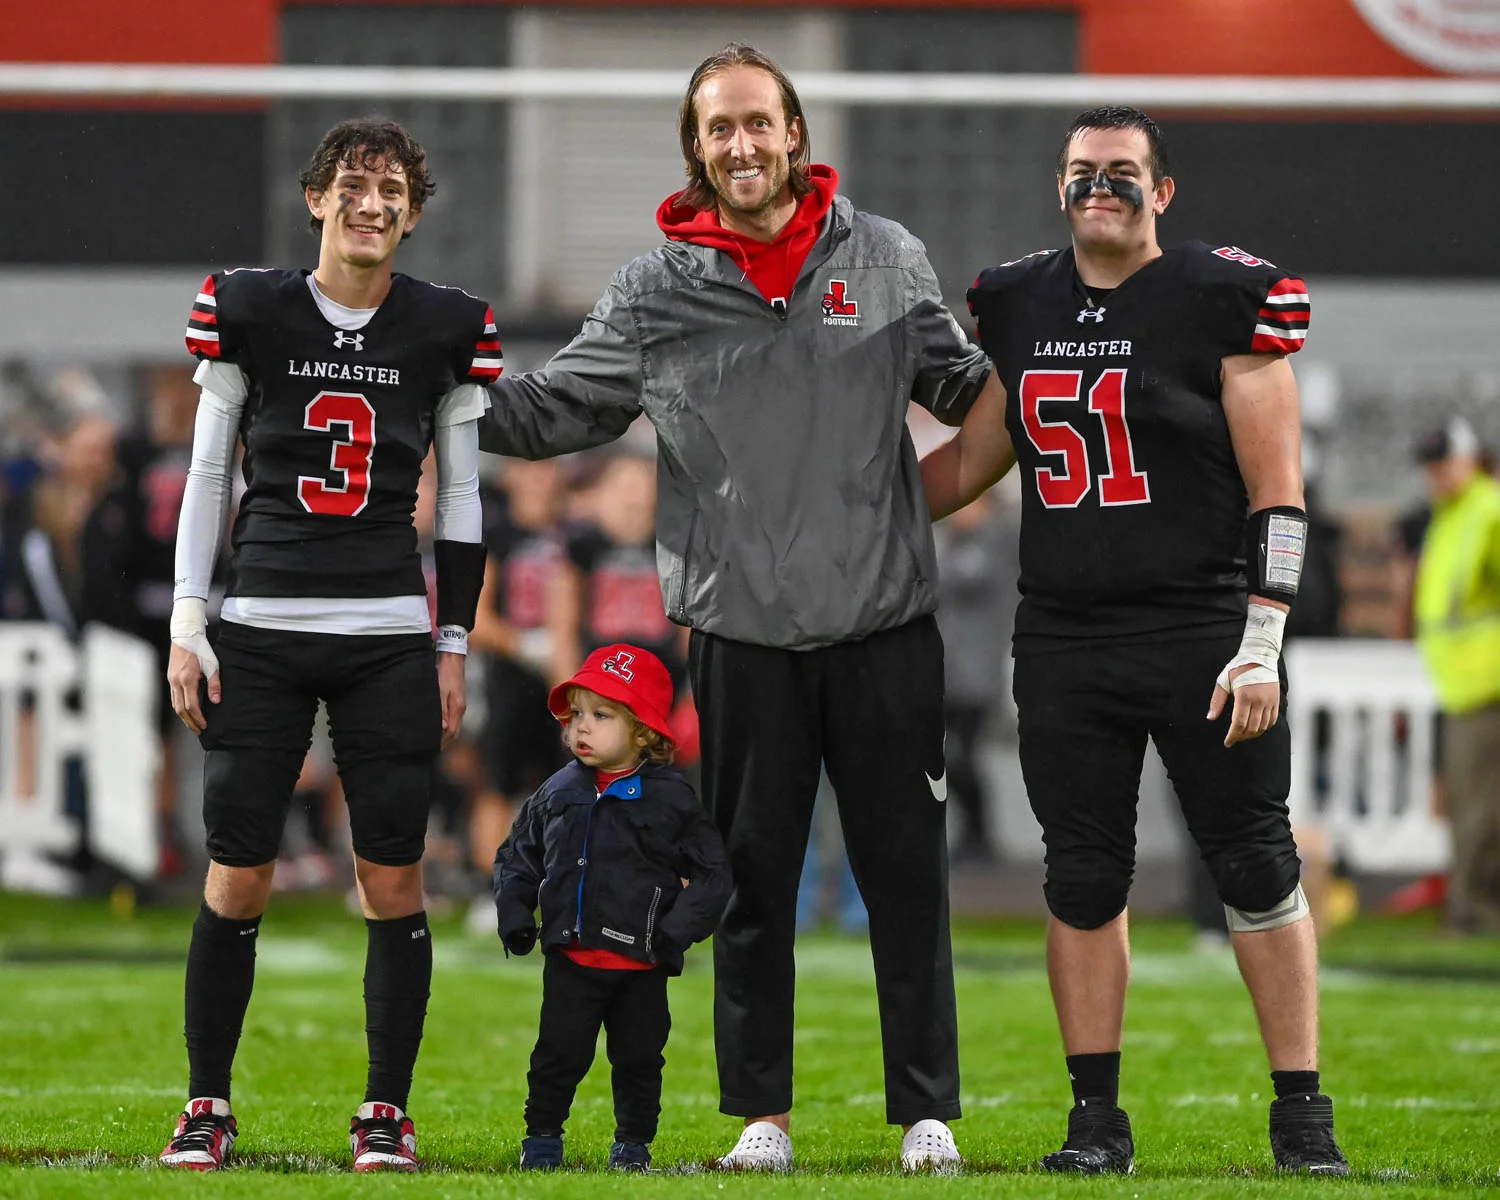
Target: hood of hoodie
{"points": [[772, 266]]}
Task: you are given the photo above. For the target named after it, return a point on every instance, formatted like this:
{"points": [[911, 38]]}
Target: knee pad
{"points": [[1255, 880], [1291, 910], [389, 800], [246, 794], [1087, 899]]}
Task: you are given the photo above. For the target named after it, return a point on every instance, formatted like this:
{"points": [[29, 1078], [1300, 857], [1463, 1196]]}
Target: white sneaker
{"points": [[762, 1147], [929, 1146]]}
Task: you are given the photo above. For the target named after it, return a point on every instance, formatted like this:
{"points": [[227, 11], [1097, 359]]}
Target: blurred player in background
{"points": [[976, 556], [521, 743], [776, 342], [338, 381], [137, 534], [1149, 400], [608, 589]]}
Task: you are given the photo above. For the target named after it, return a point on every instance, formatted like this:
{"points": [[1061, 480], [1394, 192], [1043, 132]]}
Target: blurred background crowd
{"points": [[1401, 371]]}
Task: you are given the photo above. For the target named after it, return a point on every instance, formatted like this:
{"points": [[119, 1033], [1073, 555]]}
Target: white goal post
{"points": [[1247, 93]]}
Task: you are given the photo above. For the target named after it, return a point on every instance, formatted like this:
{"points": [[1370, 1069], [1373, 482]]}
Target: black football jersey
{"points": [[1133, 507], [336, 425]]}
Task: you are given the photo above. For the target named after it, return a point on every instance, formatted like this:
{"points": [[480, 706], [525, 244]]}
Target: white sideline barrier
{"points": [[113, 732], [1368, 788]]}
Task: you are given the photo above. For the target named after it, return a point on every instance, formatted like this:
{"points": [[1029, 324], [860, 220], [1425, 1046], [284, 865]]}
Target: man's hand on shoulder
{"points": [[452, 690]]}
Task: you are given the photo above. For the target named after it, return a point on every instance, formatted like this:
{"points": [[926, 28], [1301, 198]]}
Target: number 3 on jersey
{"points": [[1066, 486], [349, 459]]}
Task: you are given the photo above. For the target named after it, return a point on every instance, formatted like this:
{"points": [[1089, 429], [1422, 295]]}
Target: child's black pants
{"points": [[576, 1000]]}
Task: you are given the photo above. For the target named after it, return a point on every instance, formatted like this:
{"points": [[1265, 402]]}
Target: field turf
{"points": [[92, 1068]]}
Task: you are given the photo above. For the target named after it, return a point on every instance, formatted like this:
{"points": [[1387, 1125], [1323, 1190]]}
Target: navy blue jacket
{"points": [[607, 868]]}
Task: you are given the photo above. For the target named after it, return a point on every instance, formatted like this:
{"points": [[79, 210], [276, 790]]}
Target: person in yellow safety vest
{"points": [[1457, 612]]}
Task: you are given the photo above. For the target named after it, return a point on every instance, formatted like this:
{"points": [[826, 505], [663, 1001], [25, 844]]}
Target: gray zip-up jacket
{"points": [[790, 509]]}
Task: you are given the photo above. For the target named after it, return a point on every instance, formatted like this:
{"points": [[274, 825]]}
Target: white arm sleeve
{"points": [[459, 517], [205, 500]]}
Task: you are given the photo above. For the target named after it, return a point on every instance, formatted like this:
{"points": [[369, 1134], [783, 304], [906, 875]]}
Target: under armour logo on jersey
{"points": [[342, 339], [619, 664], [1096, 315]]}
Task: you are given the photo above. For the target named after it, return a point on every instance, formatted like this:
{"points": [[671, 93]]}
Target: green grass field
{"points": [[92, 1068]]}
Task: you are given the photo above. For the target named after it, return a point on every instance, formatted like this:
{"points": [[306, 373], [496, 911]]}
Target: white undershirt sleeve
{"points": [[466, 402], [205, 499]]}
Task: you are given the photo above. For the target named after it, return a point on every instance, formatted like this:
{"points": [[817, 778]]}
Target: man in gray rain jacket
{"points": [[775, 342]]}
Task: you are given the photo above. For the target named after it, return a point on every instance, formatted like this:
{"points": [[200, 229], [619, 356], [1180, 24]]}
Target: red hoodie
{"points": [[772, 266]]}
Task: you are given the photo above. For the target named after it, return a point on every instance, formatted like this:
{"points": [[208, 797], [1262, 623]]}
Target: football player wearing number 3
{"points": [[338, 382], [1151, 408]]}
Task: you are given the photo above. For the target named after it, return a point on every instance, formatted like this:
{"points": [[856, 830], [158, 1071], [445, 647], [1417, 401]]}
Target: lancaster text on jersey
{"points": [[1119, 348], [355, 371]]}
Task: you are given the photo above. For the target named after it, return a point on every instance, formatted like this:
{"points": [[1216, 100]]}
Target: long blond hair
{"points": [[699, 192]]}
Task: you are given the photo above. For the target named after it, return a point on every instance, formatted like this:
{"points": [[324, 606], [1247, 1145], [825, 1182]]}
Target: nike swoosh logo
{"points": [[939, 786]]}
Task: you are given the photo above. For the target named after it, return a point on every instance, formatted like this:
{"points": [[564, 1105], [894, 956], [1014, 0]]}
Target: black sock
{"points": [[398, 977], [1095, 1077], [1294, 1083], [220, 975]]}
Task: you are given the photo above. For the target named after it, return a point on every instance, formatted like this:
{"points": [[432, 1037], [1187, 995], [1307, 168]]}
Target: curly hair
{"points": [[699, 192], [1120, 117], [366, 142], [657, 748]]}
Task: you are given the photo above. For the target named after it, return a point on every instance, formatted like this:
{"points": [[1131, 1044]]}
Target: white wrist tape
{"points": [[1260, 649], [452, 639], [189, 626]]}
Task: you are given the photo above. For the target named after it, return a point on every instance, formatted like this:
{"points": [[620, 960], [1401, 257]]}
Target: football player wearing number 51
{"points": [[1151, 408], [337, 381]]}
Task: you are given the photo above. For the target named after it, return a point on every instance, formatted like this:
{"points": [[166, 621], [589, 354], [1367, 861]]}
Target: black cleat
{"points": [[541, 1153], [1302, 1136], [630, 1156], [1098, 1141]]}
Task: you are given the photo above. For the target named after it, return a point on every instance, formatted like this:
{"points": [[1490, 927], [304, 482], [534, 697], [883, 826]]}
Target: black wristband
{"points": [[1275, 539], [460, 577]]}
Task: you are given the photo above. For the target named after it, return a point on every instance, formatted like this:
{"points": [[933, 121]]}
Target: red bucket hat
{"points": [[627, 675]]}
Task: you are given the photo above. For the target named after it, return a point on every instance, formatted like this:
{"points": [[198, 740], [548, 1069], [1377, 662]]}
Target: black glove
{"points": [[520, 940]]}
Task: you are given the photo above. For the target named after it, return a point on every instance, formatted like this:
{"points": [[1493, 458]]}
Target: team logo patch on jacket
{"points": [[838, 307]]}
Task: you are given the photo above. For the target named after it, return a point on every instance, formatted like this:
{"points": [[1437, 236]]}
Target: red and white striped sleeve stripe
{"points": [[488, 361], [203, 323], [1281, 323]]}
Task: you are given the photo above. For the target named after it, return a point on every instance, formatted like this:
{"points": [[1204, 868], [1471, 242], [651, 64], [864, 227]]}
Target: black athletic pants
{"points": [[872, 710], [576, 1000]]}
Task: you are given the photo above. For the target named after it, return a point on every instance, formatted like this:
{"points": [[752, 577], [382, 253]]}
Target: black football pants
{"points": [[872, 710]]}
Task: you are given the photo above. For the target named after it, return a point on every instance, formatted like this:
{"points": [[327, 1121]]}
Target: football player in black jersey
{"points": [[1151, 408], [338, 382]]}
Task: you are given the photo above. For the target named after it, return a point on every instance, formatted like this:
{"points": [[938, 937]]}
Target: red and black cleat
{"points": [[205, 1136], [382, 1138]]}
